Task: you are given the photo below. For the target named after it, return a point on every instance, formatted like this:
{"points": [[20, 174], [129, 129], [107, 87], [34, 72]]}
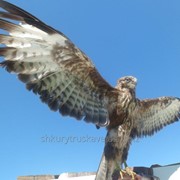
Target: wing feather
{"points": [[53, 67], [16, 13], [152, 115]]}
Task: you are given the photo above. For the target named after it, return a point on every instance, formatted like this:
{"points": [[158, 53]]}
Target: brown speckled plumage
{"points": [[65, 78]]}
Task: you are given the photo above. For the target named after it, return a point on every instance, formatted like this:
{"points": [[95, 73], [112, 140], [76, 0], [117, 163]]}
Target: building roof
{"points": [[167, 172]]}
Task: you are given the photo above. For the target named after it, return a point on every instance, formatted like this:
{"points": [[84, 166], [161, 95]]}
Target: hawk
{"points": [[67, 81]]}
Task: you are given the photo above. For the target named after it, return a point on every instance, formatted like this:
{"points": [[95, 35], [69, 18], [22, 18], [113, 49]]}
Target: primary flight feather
{"points": [[65, 78]]}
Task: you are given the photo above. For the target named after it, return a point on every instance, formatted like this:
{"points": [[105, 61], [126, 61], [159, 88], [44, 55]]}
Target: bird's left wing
{"points": [[53, 67], [152, 115]]}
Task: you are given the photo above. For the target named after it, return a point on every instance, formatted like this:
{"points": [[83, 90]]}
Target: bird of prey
{"points": [[67, 81]]}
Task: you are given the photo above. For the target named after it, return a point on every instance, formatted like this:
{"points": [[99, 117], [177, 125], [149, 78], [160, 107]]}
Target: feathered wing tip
{"points": [[151, 115], [19, 14], [102, 169]]}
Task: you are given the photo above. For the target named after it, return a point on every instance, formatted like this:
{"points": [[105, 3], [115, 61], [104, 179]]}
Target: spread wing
{"points": [[152, 115], [53, 67]]}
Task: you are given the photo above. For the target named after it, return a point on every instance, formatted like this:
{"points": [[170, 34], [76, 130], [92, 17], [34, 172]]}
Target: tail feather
{"points": [[106, 169], [102, 169]]}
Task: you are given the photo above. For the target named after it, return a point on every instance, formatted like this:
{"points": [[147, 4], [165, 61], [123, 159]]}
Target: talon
{"points": [[121, 174], [127, 171], [130, 172]]}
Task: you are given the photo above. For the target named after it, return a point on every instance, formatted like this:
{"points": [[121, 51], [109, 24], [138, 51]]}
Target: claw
{"points": [[127, 171], [120, 173], [130, 172]]}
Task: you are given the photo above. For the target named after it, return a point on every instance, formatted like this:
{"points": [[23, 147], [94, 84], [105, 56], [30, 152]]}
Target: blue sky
{"points": [[122, 37]]}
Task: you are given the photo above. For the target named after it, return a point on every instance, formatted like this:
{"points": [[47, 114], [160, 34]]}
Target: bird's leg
{"points": [[116, 172], [119, 172], [129, 171], [122, 172]]}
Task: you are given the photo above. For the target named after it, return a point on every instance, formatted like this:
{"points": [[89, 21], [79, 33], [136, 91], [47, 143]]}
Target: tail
{"points": [[106, 169], [102, 169]]}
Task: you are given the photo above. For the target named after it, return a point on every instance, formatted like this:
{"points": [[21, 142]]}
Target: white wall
{"points": [[167, 172]]}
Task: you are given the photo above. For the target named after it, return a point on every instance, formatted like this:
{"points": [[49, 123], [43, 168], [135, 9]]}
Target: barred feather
{"points": [[67, 81], [152, 115]]}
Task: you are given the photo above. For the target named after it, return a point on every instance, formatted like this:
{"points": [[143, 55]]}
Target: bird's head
{"points": [[128, 82]]}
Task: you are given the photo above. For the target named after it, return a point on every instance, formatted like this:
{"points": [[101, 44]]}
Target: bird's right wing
{"points": [[53, 67], [152, 115]]}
